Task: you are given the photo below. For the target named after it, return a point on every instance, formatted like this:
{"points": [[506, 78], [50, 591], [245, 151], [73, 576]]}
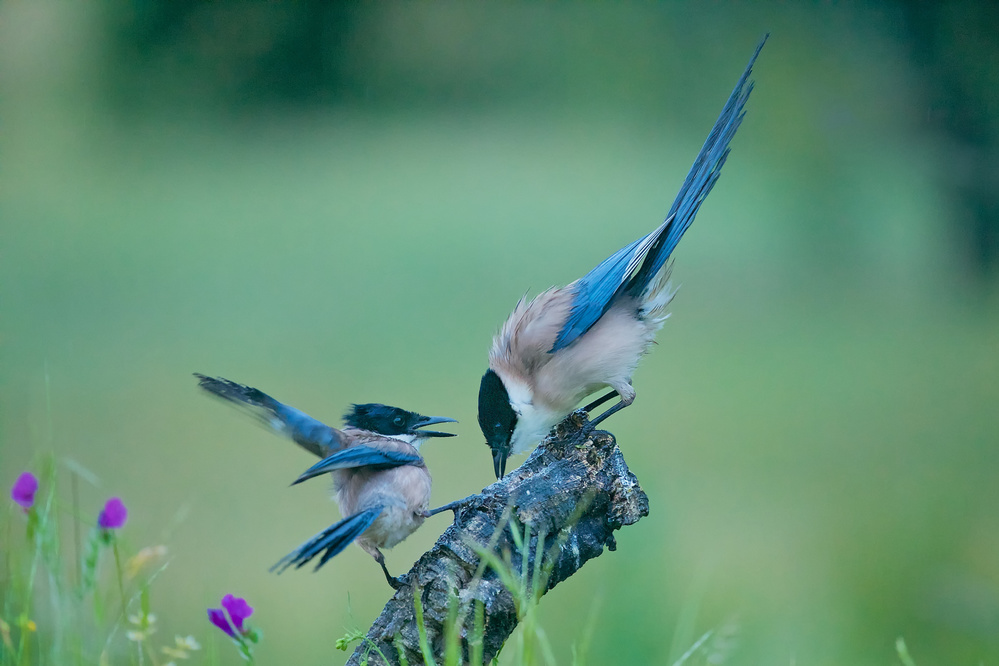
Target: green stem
{"points": [[41, 525], [246, 649], [10, 593], [75, 489], [478, 629], [421, 628], [121, 584], [78, 559], [121, 577]]}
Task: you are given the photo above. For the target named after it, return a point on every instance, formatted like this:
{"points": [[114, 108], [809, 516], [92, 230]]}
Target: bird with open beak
{"points": [[381, 482]]}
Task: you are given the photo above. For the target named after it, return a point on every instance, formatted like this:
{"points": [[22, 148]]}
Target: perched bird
{"points": [[382, 483], [571, 341]]}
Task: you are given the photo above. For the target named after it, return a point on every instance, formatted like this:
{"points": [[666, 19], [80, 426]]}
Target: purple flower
{"points": [[113, 515], [24, 489], [217, 617], [238, 610]]}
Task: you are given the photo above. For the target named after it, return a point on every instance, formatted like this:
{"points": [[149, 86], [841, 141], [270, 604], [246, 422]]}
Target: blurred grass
{"points": [[816, 429]]}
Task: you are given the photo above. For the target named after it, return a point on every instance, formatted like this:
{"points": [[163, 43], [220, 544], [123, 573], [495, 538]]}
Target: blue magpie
{"points": [[381, 482], [569, 342]]}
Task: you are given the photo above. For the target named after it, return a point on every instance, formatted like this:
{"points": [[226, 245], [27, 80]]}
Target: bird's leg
{"points": [[590, 426], [599, 401], [618, 406], [627, 394], [396, 583], [450, 506]]}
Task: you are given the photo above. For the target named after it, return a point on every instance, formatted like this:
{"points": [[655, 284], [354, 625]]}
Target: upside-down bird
{"points": [[571, 341], [382, 483]]}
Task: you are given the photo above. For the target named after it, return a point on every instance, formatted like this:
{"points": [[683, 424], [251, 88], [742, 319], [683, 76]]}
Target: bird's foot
{"points": [[396, 582], [583, 434], [570, 426]]}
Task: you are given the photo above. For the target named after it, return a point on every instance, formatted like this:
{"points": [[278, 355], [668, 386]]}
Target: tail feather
{"points": [[333, 540], [632, 269], [309, 433], [237, 393], [701, 178]]}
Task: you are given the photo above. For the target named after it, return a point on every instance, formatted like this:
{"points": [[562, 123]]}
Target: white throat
{"points": [[533, 422], [412, 440]]}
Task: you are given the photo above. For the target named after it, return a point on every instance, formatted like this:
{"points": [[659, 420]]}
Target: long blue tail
{"points": [[595, 292], [333, 540], [699, 181]]}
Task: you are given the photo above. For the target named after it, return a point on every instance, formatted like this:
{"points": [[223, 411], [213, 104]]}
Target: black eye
{"points": [[399, 421]]}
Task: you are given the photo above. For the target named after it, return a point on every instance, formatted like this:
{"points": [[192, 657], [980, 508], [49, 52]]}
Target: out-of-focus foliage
{"points": [[342, 204]]}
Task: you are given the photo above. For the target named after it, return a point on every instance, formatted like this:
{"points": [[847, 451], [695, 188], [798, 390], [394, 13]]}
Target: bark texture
{"points": [[577, 492]]}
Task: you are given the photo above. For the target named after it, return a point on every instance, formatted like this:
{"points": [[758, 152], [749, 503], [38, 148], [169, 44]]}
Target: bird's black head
{"points": [[386, 420], [496, 418]]}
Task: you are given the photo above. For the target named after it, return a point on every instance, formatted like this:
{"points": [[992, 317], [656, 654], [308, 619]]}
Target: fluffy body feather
{"points": [[544, 387], [402, 491], [391, 498]]}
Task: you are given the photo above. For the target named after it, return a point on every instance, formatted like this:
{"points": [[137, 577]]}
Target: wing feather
{"points": [[360, 456], [309, 433]]}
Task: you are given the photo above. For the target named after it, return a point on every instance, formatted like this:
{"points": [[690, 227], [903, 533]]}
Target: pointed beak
{"points": [[499, 462], [431, 420]]}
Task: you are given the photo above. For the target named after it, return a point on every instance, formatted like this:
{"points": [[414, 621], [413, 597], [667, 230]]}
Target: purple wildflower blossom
{"points": [[24, 489], [238, 609], [113, 515], [217, 617]]}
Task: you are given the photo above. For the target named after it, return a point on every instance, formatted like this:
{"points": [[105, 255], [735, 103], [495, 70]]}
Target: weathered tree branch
{"points": [[577, 495]]}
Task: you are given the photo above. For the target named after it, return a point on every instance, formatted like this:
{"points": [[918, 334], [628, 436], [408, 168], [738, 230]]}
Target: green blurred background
{"points": [[342, 203]]}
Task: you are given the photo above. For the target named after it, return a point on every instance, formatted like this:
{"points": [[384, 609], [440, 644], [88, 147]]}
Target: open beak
{"points": [[431, 420], [499, 462]]}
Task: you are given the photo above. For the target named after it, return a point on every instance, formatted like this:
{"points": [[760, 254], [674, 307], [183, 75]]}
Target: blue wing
{"points": [[360, 456], [333, 540], [309, 433], [595, 292]]}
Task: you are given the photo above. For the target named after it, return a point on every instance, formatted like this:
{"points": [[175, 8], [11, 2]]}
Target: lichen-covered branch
{"points": [[574, 494]]}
